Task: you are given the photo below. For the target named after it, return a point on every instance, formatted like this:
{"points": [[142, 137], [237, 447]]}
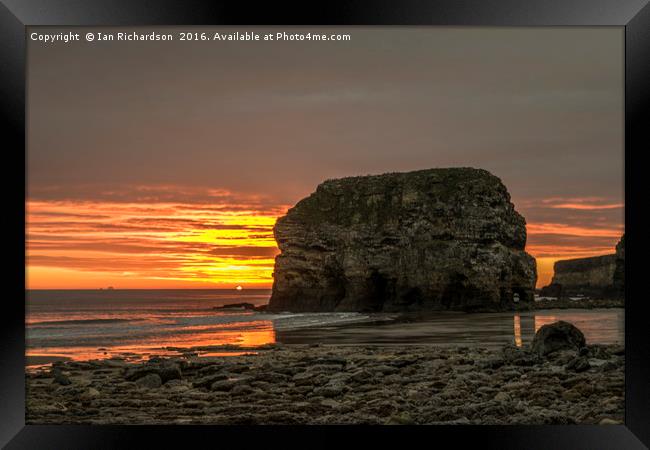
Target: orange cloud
{"points": [[566, 228], [587, 207], [86, 244], [563, 229], [175, 237]]}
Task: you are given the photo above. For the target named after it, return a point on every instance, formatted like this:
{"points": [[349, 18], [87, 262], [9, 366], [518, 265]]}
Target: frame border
{"points": [[633, 15]]}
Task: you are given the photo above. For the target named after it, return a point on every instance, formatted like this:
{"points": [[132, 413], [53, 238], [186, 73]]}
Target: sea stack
{"points": [[431, 239]]}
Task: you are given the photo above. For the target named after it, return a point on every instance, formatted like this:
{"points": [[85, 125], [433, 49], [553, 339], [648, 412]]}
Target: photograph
{"points": [[325, 225]]}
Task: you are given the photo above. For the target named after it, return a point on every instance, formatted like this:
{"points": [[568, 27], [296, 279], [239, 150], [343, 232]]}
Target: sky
{"points": [[166, 164]]}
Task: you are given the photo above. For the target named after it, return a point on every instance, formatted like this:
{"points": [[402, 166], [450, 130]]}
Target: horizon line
{"points": [[148, 289]]}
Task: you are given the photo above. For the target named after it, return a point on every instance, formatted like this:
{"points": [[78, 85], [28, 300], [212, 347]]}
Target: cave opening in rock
{"points": [[411, 296], [456, 291], [336, 288], [520, 295], [377, 292]]}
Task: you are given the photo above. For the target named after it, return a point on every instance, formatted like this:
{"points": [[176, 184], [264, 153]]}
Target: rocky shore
{"points": [[315, 384]]}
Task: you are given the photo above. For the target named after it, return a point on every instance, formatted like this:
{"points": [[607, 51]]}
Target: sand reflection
{"points": [[603, 326]]}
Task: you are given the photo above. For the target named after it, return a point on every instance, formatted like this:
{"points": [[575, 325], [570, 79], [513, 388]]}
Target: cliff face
{"points": [[431, 239], [595, 273], [618, 285], [598, 276]]}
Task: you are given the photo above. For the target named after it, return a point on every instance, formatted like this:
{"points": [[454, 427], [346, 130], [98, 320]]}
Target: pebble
{"points": [[340, 385]]}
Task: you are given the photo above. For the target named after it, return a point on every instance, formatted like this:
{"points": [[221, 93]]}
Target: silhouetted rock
{"points": [[431, 239], [243, 305], [556, 336]]}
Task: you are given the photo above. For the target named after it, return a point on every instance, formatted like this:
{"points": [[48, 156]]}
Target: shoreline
{"points": [[587, 303], [329, 384], [439, 328]]}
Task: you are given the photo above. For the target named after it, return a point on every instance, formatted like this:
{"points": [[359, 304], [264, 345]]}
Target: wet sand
{"points": [[41, 360], [600, 326]]}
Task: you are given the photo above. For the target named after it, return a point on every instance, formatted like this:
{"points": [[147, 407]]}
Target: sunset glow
{"points": [[84, 244], [578, 230], [165, 176], [225, 240]]}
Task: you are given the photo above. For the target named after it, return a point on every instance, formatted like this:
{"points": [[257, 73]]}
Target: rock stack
{"points": [[431, 239]]}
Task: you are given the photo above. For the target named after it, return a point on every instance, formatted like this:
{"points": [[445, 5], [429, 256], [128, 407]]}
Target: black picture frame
{"points": [[16, 15]]}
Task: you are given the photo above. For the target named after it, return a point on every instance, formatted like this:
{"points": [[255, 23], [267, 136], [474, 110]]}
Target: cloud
{"points": [[215, 242], [227, 237], [568, 230]]}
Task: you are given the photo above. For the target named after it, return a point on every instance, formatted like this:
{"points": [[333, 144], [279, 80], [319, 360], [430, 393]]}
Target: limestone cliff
{"points": [[430, 239], [596, 277]]}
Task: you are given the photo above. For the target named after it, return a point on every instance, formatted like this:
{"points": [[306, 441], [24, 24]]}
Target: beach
{"points": [[344, 384], [135, 325], [189, 357]]}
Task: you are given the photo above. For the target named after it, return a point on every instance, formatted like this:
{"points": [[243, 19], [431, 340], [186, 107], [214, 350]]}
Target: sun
{"points": [[239, 288]]}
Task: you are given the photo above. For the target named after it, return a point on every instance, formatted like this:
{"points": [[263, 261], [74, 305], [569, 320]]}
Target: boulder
{"points": [[516, 356], [169, 371], [166, 370], [578, 364], [150, 381], [60, 377], [556, 336], [427, 240]]}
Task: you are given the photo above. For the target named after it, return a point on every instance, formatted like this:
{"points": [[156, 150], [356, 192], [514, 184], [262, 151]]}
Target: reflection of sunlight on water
{"points": [[541, 320], [246, 334], [598, 326], [517, 322], [210, 337], [260, 337], [221, 354]]}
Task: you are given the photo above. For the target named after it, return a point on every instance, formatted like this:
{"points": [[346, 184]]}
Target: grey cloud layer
{"points": [[541, 108]]}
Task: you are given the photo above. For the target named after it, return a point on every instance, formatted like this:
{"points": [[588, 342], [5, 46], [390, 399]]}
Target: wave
{"points": [[305, 320]]}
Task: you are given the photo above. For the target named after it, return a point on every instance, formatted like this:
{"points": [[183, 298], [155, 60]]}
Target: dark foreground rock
{"points": [[164, 369], [556, 336], [345, 385], [432, 239]]}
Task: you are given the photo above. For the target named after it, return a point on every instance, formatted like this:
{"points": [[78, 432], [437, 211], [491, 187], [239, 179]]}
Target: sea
{"points": [[139, 324]]}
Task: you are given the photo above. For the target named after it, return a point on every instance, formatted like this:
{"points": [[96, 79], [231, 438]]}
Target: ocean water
{"points": [[89, 324], [136, 324]]}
